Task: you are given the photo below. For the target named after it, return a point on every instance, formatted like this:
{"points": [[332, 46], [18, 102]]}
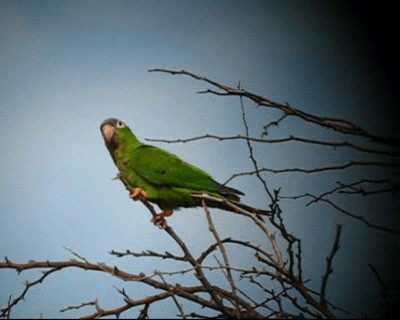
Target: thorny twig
{"points": [[361, 218], [329, 261], [291, 138], [221, 247], [336, 124]]}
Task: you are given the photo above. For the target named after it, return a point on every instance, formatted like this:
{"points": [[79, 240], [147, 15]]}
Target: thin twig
{"points": [[228, 274], [336, 124], [258, 222], [271, 236], [346, 212], [72, 307], [383, 289], [148, 253], [144, 312], [329, 262], [291, 138], [349, 164], [178, 305]]}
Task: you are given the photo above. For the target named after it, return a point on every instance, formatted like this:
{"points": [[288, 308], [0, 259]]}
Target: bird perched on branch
{"points": [[161, 177]]}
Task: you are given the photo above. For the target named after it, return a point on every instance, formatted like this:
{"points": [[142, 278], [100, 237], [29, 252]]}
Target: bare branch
{"points": [[5, 312], [251, 154], [314, 170], [336, 124], [346, 212], [273, 124], [75, 254], [100, 312], [257, 221], [184, 292], [148, 253], [353, 188], [144, 312], [291, 138], [329, 261], [84, 304], [223, 252], [383, 289], [229, 240], [179, 306]]}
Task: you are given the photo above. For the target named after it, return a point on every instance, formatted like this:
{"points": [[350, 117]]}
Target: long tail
{"points": [[233, 205], [229, 193]]}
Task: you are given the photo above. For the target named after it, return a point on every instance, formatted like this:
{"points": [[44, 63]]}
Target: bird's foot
{"points": [[159, 220], [138, 194]]}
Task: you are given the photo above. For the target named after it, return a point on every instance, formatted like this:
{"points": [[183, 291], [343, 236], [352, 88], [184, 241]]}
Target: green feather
{"points": [[165, 169]]}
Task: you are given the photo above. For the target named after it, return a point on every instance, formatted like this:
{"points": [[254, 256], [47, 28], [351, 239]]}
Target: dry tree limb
{"points": [[144, 312], [316, 199], [221, 247], [83, 304], [291, 138], [329, 262], [352, 163], [356, 187], [336, 124], [178, 305], [383, 292], [148, 253], [185, 292], [270, 235]]}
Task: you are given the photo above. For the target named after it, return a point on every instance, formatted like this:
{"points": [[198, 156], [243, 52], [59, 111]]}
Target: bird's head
{"points": [[115, 133], [111, 129], [118, 137]]}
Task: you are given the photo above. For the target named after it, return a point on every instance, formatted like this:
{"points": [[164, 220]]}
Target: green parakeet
{"points": [[161, 177]]}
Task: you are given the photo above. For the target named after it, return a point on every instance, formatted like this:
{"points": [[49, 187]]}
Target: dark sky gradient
{"points": [[378, 25]]}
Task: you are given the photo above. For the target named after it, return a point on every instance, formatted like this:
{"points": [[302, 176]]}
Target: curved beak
{"points": [[107, 129]]}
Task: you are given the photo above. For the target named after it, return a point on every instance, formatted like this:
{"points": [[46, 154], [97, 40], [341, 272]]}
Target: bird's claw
{"points": [[161, 223], [138, 194], [159, 220]]}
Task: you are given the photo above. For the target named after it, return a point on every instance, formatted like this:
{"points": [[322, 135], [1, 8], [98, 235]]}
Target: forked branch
{"points": [[336, 124]]}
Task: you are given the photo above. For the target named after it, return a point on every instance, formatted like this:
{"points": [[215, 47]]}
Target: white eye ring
{"points": [[120, 124]]}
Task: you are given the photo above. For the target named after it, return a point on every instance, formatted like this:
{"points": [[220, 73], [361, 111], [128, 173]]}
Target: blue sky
{"points": [[68, 65]]}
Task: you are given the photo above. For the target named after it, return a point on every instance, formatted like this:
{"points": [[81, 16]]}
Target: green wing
{"points": [[163, 168]]}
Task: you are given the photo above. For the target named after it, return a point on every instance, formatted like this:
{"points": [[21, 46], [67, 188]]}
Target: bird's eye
{"points": [[120, 124]]}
